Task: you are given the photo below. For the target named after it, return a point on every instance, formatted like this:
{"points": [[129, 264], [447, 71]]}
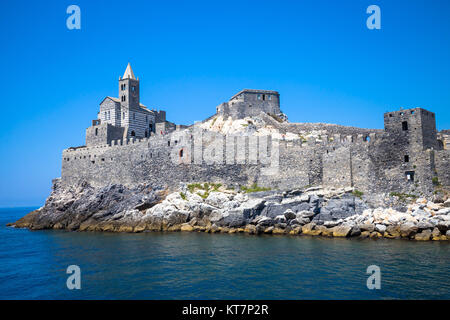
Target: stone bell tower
{"points": [[129, 90]]}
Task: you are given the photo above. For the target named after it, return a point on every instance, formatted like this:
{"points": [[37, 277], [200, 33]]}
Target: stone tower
{"points": [[410, 145], [129, 90], [413, 127]]}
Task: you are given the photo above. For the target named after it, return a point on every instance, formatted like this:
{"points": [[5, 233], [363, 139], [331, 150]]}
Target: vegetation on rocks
{"points": [[254, 188]]}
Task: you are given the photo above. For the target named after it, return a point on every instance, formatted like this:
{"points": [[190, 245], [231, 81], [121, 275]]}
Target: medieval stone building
{"points": [[131, 144]]}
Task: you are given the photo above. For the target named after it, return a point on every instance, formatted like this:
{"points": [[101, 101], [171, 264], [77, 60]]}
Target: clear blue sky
{"points": [[192, 55]]}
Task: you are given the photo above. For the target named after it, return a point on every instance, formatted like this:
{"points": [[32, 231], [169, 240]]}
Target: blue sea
{"points": [[214, 266]]}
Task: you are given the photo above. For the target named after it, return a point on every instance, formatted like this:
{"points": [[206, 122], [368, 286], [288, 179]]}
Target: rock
{"points": [[392, 232], [447, 203], [280, 219], [367, 227], [365, 234], [217, 199], [308, 229], [324, 231], [444, 211], [289, 214], [432, 206], [342, 230], [305, 214], [186, 227], [296, 230], [422, 201], [251, 229], [278, 231], [443, 226], [381, 228], [425, 225], [375, 235], [269, 230], [355, 231], [252, 207], [408, 230], [330, 224], [265, 221], [436, 234], [231, 218], [425, 235]]}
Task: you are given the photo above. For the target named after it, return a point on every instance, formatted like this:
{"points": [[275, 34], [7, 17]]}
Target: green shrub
{"points": [[403, 196], [358, 193], [183, 196], [254, 188], [435, 181]]}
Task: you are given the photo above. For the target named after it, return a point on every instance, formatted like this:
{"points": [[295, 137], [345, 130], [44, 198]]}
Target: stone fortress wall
{"points": [[369, 161], [408, 156]]}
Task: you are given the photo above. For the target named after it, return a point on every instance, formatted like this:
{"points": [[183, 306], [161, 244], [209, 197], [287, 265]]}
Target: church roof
{"points": [[143, 107], [112, 98], [128, 73]]}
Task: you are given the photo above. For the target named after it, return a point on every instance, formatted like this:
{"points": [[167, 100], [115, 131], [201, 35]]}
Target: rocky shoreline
{"points": [[212, 208]]}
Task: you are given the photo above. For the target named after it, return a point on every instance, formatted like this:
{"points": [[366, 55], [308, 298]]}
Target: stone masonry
{"points": [[131, 144]]}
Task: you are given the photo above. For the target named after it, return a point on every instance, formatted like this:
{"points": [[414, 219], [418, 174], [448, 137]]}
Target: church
{"points": [[124, 117]]}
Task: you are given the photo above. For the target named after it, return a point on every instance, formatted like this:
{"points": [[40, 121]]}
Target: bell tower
{"points": [[129, 89]]}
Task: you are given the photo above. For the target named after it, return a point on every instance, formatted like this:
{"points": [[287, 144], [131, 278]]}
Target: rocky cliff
{"points": [[214, 208]]}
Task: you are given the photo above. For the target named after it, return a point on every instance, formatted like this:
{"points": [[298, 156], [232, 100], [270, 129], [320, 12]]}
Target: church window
{"points": [[264, 97]]}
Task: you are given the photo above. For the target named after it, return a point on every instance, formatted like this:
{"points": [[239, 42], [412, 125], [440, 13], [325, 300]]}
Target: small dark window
{"points": [[405, 125], [146, 133], [406, 158], [264, 97], [133, 133], [181, 153], [412, 111], [390, 115], [96, 131], [168, 143], [409, 175]]}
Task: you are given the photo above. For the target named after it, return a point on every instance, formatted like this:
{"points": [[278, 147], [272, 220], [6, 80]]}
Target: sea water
{"points": [[180, 265]]}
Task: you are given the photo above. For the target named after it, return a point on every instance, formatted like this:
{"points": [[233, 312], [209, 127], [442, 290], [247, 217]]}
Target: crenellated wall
{"points": [[401, 158]]}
